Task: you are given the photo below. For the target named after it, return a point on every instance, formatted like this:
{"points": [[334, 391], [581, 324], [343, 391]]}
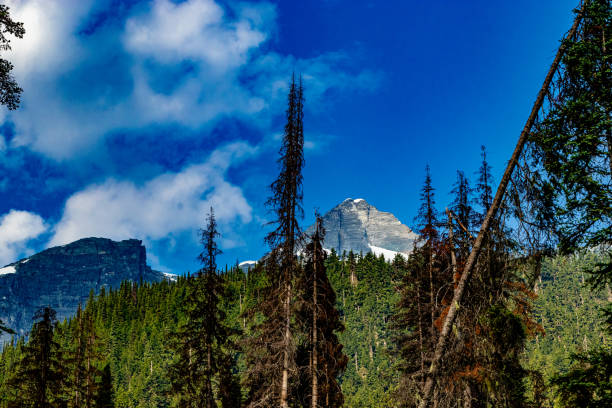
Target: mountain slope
{"points": [[61, 277], [358, 226]]}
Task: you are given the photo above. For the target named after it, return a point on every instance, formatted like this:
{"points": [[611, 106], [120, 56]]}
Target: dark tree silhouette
{"points": [[271, 357], [320, 322], [40, 374], [203, 342], [106, 395], [10, 92]]}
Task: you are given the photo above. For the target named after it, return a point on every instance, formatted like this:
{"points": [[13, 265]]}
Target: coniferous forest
{"points": [[504, 301]]}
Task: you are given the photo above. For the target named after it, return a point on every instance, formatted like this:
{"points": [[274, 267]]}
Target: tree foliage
{"points": [[10, 92]]}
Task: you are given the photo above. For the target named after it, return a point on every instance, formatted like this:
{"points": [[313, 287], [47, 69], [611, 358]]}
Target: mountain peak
{"points": [[62, 276], [357, 225]]}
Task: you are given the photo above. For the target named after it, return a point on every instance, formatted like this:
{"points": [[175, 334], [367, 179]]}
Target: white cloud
{"points": [[16, 229], [169, 204], [197, 30], [79, 87]]}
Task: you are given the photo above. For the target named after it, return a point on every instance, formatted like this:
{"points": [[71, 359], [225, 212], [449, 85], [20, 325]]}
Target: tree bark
{"points": [[285, 379], [314, 373], [209, 400], [452, 245], [471, 261]]}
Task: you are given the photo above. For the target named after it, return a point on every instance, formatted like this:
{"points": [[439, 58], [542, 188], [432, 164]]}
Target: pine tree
{"points": [[320, 321], [204, 340], [40, 373], [271, 358]]}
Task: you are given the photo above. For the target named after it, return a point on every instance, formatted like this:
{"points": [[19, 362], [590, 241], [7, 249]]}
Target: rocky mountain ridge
{"points": [[357, 225], [62, 277]]}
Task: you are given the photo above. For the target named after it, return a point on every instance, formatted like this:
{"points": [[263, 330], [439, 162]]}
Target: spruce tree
{"points": [[40, 373], [483, 188], [320, 321], [271, 353], [203, 342], [463, 212], [414, 321]]}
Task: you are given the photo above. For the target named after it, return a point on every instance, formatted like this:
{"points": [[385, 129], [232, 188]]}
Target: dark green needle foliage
{"points": [[572, 144], [10, 92], [571, 149], [203, 341], [40, 375], [82, 359], [271, 351], [106, 394], [320, 356]]}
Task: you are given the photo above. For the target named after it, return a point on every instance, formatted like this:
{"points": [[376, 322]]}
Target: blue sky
{"points": [[139, 115]]}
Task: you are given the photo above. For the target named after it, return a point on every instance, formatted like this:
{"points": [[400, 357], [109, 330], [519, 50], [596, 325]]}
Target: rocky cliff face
{"points": [[61, 277], [358, 226]]}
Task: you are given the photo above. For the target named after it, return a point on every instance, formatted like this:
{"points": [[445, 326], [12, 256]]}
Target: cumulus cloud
{"points": [[165, 205], [191, 63], [197, 30], [17, 228]]}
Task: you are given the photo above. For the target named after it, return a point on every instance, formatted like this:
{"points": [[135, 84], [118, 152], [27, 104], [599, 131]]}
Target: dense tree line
{"points": [[447, 326]]}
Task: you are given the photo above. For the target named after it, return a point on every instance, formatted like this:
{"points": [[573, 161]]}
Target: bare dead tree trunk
{"points": [[467, 395], [608, 133], [285, 379], [431, 288], [452, 245], [471, 261], [421, 335], [209, 399], [315, 315]]}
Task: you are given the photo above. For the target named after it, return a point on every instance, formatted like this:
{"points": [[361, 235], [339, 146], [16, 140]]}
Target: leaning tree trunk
{"points": [[471, 261]]}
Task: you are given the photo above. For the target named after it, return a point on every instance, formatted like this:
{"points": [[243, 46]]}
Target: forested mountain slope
{"points": [[135, 322]]}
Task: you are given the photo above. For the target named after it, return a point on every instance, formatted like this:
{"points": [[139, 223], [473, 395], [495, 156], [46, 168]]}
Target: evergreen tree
{"points": [[464, 215], [271, 358], [481, 362], [82, 360], [203, 341], [571, 151], [320, 321], [483, 187], [10, 92], [106, 395], [40, 373], [572, 144], [414, 321]]}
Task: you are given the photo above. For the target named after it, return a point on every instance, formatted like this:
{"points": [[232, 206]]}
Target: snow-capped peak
{"points": [[170, 276]]}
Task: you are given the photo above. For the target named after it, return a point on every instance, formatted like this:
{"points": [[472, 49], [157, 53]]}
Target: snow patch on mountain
{"points": [[170, 276], [387, 253], [355, 225], [7, 270]]}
